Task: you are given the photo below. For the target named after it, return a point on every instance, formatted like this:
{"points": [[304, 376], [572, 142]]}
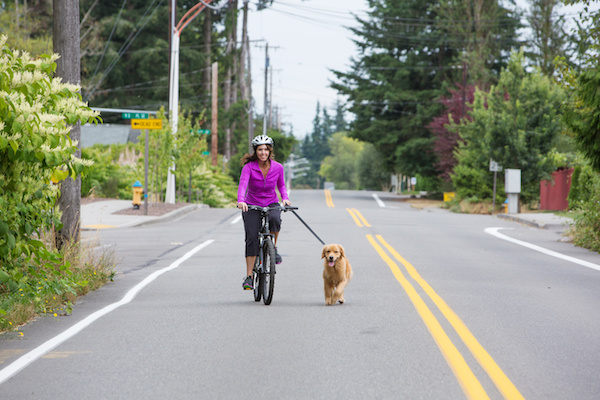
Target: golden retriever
{"points": [[337, 272]]}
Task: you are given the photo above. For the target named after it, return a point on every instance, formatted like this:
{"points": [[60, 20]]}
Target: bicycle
{"points": [[263, 274]]}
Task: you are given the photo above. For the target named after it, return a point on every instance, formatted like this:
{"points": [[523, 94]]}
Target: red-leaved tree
{"points": [[458, 105]]}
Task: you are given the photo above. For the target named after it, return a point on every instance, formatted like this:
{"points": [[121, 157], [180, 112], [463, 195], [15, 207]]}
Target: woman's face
{"points": [[263, 152]]}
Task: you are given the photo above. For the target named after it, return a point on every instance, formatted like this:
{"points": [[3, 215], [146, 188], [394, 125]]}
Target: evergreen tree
{"points": [[549, 38], [315, 147], [409, 52], [340, 124]]}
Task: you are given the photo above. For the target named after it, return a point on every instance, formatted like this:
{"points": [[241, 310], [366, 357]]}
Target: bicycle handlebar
{"points": [[268, 208]]}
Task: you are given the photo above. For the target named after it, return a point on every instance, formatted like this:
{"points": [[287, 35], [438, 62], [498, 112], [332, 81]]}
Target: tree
{"points": [[483, 30], [342, 166], [457, 107], [517, 123], [582, 113], [339, 123], [161, 144], [66, 43], [28, 26], [315, 147], [371, 170], [549, 39], [408, 54]]}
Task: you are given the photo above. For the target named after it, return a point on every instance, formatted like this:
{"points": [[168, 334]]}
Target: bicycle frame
{"points": [[264, 266]]}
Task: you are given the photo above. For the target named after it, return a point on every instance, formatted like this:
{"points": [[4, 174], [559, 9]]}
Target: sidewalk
{"points": [[100, 215], [540, 220]]}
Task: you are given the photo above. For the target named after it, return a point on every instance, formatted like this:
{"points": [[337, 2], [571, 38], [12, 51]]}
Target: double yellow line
{"points": [[328, 198], [463, 373], [357, 217]]}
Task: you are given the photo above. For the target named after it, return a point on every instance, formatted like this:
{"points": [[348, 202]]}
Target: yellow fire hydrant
{"points": [[138, 191]]}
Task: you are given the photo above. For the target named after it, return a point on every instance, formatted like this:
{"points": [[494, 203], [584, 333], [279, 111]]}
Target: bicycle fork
{"points": [[261, 255]]}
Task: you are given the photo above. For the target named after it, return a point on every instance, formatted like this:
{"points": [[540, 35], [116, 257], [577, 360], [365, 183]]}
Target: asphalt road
{"points": [[439, 308]]}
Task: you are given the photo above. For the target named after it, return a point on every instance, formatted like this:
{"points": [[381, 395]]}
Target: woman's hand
{"points": [[287, 203], [243, 206]]}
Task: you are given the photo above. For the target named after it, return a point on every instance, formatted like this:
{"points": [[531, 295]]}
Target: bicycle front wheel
{"points": [[256, 278], [268, 276]]}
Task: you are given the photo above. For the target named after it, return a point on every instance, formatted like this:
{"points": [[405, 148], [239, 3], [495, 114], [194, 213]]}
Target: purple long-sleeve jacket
{"points": [[255, 189]]}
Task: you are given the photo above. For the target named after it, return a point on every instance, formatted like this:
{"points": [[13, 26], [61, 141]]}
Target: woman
{"points": [[260, 176]]}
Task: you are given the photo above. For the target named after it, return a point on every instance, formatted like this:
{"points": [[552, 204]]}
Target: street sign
{"points": [[494, 166], [205, 153], [204, 131], [153, 123], [130, 115]]}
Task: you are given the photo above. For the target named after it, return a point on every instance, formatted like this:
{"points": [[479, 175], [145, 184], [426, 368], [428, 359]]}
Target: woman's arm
{"points": [[243, 186], [282, 189]]}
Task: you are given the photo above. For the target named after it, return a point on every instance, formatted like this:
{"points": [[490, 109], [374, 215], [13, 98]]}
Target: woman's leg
{"points": [[252, 227], [250, 260]]}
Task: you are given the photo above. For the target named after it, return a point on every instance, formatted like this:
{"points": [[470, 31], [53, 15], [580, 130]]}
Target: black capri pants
{"points": [[252, 227]]}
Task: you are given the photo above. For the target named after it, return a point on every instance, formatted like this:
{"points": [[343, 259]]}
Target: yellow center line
{"points": [[465, 376], [354, 217], [328, 198], [502, 382], [364, 221]]}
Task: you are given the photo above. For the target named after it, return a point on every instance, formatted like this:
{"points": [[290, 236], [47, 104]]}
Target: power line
{"points": [[128, 42]]}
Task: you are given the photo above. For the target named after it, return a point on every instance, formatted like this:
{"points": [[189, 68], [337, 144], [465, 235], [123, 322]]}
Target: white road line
{"points": [[236, 219], [378, 200], [494, 232], [19, 364]]}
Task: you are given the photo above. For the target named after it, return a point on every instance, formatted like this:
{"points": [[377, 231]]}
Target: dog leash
{"points": [[308, 227]]}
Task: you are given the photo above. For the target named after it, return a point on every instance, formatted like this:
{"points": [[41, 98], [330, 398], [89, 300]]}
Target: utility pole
{"points": [[215, 110], [246, 86], [266, 89], [176, 30], [66, 43], [250, 101]]}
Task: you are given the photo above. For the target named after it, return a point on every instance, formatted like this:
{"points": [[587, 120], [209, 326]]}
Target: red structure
{"points": [[553, 194]]}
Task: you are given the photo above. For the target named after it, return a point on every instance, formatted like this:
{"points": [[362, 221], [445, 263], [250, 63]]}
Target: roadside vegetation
{"points": [[36, 112], [432, 106]]}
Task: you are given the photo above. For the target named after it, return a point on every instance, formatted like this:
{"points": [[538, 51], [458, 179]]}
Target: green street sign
{"points": [[205, 153], [134, 115], [204, 131]]}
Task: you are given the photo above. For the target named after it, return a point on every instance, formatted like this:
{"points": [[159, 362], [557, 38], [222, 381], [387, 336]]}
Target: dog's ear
{"points": [[342, 251], [323, 252]]}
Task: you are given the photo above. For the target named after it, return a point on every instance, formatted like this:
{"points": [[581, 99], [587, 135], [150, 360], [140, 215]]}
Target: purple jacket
{"points": [[256, 190]]}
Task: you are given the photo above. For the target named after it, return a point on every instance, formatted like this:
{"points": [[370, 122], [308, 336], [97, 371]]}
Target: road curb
{"points": [[534, 223], [172, 215]]}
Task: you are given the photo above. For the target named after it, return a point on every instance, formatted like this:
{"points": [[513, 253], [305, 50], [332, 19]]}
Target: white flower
{"points": [[82, 161]]}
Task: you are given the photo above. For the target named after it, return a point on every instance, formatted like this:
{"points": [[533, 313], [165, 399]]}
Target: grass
{"points": [[52, 290]]}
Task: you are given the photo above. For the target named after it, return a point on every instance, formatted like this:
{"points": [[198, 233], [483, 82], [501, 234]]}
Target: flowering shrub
{"points": [[36, 112]]}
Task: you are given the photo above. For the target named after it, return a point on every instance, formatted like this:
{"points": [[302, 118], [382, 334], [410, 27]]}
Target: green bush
{"points": [[582, 184], [36, 115], [107, 177], [586, 229]]}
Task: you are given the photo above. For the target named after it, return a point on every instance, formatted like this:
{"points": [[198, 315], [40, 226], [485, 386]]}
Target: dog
{"points": [[337, 272]]}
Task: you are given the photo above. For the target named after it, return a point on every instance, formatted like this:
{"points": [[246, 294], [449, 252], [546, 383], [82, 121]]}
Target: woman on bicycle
{"points": [[261, 174]]}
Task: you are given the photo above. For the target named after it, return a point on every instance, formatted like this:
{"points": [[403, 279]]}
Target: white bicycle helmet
{"points": [[261, 139]]}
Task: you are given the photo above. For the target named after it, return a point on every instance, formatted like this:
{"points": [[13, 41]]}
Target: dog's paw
{"points": [[341, 301]]}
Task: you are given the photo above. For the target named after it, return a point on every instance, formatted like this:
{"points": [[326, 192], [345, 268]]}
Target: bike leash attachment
{"points": [[308, 227]]}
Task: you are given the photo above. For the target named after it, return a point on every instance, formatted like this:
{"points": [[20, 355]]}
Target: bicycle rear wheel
{"points": [[256, 279], [268, 275]]}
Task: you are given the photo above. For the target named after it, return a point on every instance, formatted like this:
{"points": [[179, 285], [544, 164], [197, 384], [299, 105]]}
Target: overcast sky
{"points": [[306, 40]]}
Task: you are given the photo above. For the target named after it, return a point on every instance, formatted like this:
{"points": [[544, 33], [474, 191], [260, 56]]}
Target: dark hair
{"points": [[247, 157]]}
